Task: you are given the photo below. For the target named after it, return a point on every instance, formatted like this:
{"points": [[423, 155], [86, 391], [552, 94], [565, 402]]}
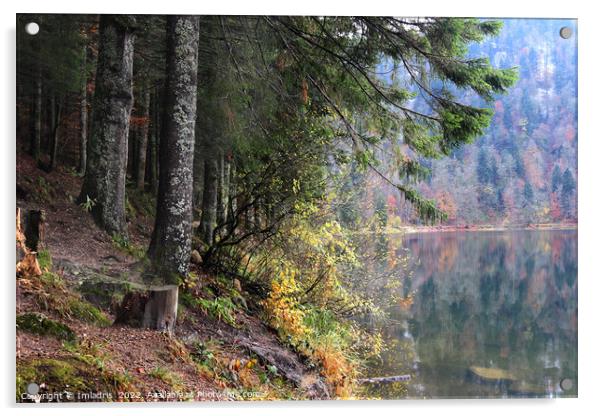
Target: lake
{"points": [[489, 314]]}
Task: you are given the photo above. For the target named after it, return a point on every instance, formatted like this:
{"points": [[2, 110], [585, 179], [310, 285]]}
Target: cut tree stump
{"points": [[33, 228], [155, 307]]}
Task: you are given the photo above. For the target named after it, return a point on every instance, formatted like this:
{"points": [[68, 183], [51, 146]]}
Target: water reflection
{"points": [[494, 314]]}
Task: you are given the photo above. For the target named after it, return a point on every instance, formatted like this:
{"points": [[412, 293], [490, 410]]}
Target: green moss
{"points": [[56, 297], [67, 374], [103, 292], [57, 375], [38, 323], [87, 312]]}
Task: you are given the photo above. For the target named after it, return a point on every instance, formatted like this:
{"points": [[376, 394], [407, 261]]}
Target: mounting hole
{"points": [[33, 388], [32, 28], [566, 384], [566, 32]]}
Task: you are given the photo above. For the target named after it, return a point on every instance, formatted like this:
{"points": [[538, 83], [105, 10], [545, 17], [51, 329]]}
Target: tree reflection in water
{"points": [[491, 300]]}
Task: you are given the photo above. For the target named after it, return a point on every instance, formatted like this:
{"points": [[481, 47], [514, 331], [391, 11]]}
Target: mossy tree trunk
{"points": [[105, 177], [170, 246]]}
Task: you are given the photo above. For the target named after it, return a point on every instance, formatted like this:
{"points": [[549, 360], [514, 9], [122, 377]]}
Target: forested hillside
{"points": [[523, 170]]}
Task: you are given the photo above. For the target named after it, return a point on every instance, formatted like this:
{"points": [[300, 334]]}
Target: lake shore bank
{"points": [[415, 229]]}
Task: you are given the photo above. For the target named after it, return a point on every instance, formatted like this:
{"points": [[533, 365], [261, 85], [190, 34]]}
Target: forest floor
{"points": [[67, 344]]}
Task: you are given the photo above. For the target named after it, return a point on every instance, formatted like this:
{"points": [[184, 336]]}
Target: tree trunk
{"points": [[170, 246], [143, 139], [57, 109], [199, 170], [83, 117], [220, 214], [105, 178], [232, 201], [209, 214], [154, 144], [226, 187], [37, 118], [33, 223]]}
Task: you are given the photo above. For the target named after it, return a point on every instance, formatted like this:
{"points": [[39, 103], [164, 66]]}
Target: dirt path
{"points": [[76, 245]]}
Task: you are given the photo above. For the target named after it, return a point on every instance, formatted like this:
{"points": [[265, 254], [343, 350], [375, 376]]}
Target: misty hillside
{"points": [[524, 169]]}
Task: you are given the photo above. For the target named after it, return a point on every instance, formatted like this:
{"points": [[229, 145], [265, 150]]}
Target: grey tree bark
{"points": [[170, 246], [143, 139], [105, 178], [83, 116]]}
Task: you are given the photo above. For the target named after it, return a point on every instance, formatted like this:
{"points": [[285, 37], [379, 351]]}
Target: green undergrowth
{"points": [[51, 293], [216, 297], [219, 308], [44, 259], [39, 324], [139, 203], [126, 246], [72, 374]]}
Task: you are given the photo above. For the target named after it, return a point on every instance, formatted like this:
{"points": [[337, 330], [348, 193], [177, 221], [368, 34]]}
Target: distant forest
{"points": [[523, 170]]}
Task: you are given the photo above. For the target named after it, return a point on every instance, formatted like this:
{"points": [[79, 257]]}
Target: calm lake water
{"points": [[494, 314]]}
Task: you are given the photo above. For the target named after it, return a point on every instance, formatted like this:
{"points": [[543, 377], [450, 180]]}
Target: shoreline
{"points": [[418, 229]]}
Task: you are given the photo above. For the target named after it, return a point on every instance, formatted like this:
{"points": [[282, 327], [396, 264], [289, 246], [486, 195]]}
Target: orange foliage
{"points": [[28, 266], [447, 204], [447, 257], [304, 92], [335, 368]]}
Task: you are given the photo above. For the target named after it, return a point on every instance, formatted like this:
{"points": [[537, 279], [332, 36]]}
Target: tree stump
{"points": [[153, 307], [34, 229], [27, 261]]}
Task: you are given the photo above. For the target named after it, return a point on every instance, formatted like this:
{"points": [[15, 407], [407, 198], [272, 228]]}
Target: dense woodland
{"points": [[264, 148]]}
